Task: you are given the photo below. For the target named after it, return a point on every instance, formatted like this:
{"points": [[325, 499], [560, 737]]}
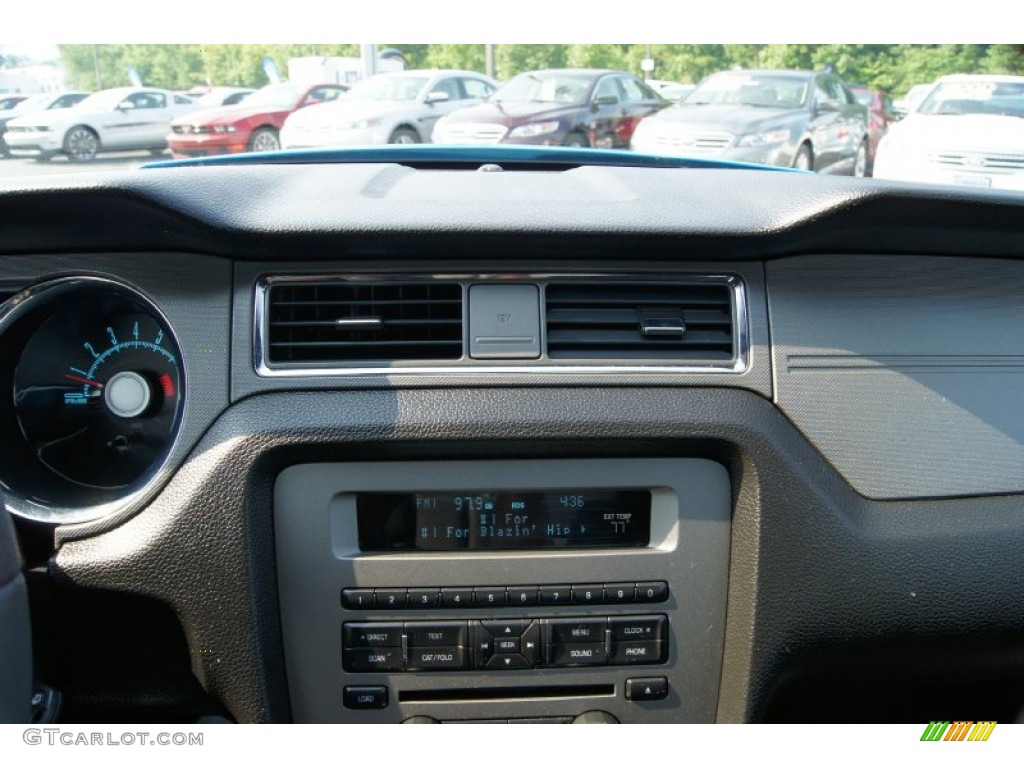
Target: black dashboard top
{"points": [[381, 211]]}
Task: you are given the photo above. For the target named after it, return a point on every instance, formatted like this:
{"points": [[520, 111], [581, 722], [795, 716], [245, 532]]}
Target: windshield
{"points": [[976, 97], [388, 89], [282, 95], [546, 88], [753, 104], [753, 90]]}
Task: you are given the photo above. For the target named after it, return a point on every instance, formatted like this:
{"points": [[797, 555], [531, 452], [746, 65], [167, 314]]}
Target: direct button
{"points": [[576, 654], [372, 635], [436, 658], [365, 696], [577, 631], [442, 633]]}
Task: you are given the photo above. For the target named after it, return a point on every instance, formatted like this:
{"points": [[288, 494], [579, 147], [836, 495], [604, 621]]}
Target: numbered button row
{"points": [[496, 597]]}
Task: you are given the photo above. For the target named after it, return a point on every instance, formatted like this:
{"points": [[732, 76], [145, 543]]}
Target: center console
{"points": [[503, 591]]}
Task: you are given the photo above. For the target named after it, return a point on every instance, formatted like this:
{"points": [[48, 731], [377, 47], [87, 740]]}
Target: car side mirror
{"points": [[434, 97], [829, 105], [125, 105], [605, 101]]}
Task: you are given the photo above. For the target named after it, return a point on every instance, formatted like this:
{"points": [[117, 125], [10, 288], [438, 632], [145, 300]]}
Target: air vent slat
{"points": [[627, 317], [341, 322], [357, 344], [685, 323], [613, 338], [333, 323]]}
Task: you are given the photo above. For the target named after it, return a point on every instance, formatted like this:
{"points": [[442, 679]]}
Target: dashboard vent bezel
{"points": [[325, 323], [738, 364]]}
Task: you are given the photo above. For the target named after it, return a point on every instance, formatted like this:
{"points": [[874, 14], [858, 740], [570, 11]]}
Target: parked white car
{"points": [[37, 103], [968, 132], [392, 108], [108, 121]]}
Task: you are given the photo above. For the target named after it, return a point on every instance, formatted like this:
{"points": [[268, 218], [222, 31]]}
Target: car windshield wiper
{"points": [[434, 157]]}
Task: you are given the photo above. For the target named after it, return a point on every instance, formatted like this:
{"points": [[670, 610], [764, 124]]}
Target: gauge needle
{"points": [[83, 381]]}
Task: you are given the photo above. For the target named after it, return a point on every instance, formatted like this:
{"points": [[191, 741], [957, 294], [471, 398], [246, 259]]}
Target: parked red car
{"points": [[560, 107], [252, 126], [880, 115]]}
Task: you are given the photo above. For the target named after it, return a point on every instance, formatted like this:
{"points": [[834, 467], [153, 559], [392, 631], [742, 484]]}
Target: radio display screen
{"points": [[474, 520]]}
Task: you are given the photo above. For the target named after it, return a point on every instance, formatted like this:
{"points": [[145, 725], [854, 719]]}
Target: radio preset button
{"points": [[488, 597], [587, 594], [390, 599], [620, 593], [457, 598], [424, 598], [372, 635], [357, 599], [556, 595], [522, 596], [652, 592]]}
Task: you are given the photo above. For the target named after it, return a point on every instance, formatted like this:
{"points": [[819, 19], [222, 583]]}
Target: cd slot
{"points": [[506, 693]]}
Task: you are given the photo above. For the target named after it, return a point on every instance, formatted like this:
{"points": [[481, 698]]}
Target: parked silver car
{"points": [[392, 108], [798, 119]]}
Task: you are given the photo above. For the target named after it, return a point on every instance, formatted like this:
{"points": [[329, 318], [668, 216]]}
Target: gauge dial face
{"points": [[98, 391]]}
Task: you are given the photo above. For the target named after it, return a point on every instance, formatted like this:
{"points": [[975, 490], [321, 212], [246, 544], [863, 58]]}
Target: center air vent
{"points": [[687, 323], [324, 323]]}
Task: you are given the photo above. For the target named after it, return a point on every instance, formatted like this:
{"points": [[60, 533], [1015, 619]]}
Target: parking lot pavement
{"points": [[115, 161]]}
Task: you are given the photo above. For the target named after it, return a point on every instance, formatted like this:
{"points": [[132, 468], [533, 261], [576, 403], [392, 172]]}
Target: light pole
{"points": [[96, 66]]}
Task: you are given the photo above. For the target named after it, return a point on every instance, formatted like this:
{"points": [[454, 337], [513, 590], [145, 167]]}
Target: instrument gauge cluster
{"points": [[92, 394]]}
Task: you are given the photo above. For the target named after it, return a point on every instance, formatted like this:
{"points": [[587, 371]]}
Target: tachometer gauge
{"points": [[97, 392], [92, 393]]}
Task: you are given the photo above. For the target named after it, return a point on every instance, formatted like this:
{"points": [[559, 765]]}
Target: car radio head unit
{"points": [[555, 590], [508, 519]]}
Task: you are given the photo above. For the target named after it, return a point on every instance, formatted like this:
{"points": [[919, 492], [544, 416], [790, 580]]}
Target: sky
{"points": [[525, 21]]}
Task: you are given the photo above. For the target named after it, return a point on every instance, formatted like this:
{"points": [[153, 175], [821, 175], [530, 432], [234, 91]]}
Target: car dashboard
{"points": [[407, 441]]}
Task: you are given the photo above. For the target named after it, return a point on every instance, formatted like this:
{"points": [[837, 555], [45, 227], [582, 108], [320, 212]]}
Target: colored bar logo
{"points": [[958, 731]]}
